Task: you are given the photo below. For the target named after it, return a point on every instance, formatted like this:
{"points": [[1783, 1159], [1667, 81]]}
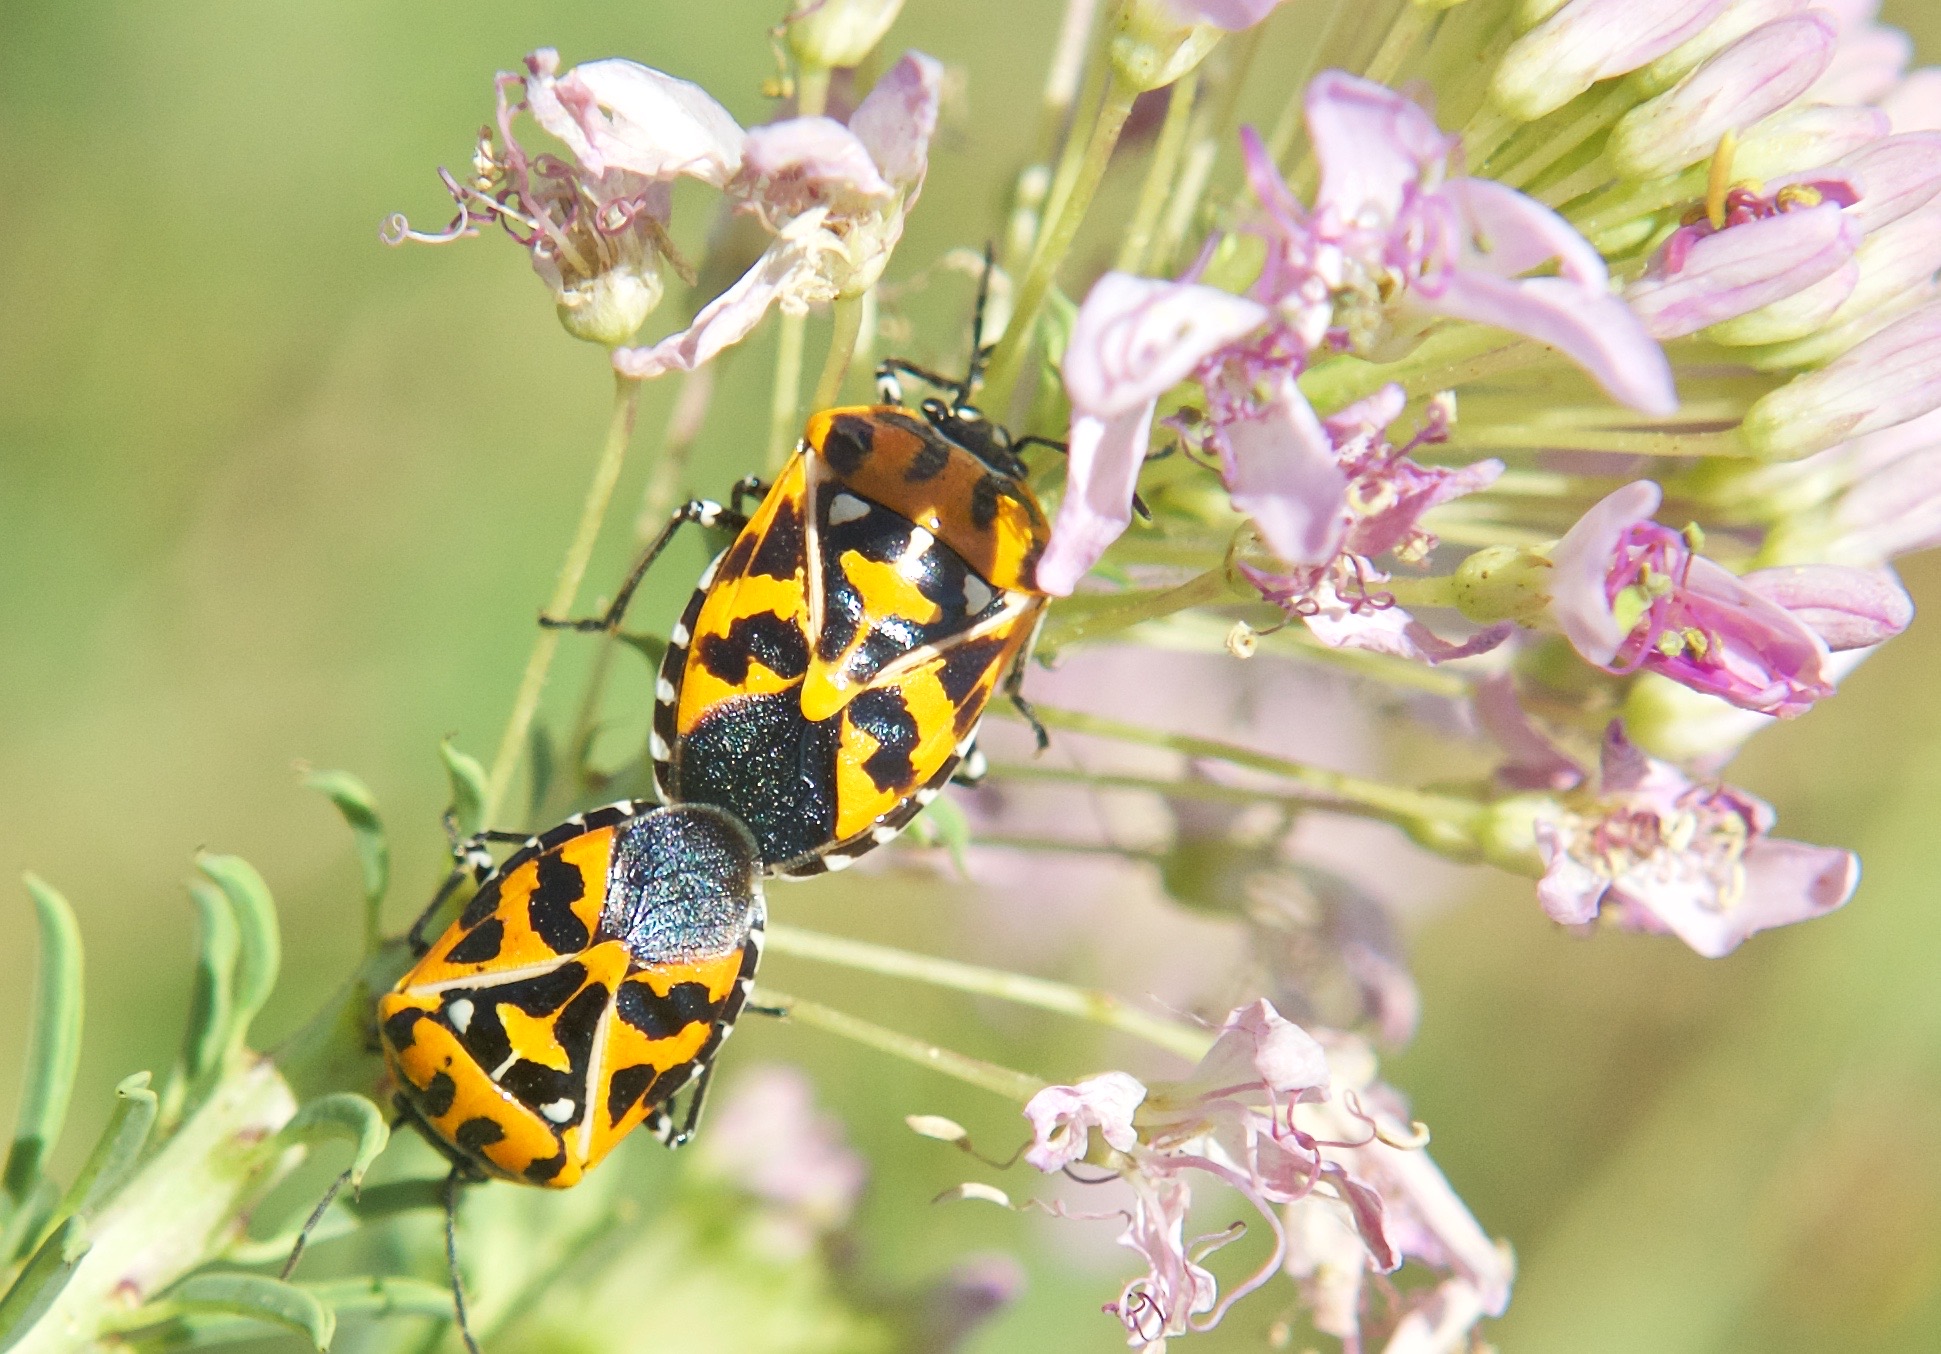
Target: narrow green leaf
{"points": [[207, 1037], [353, 799], [542, 763], [344, 1115], [260, 1299], [40, 1282], [259, 952], [468, 788], [120, 1146], [53, 1045], [650, 647]]}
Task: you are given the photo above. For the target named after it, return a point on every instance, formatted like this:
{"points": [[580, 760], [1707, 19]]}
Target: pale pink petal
{"points": [[899, 116], [1258, 1046], [1848, 608], [815, 158], [1581, 563], [1738, 270], [1532, 762], [1866, 65], [1587, 41], [1102, 473], [1372, 144], [723, 322], [1785, 882], [1062, 1118], [1570, 891], [1281, 471], [1507, 234], [1442, 1324], [1893, 176], [1886, 379], [1135, 338], [622, 115], [1391, 630], [1596, 331]]}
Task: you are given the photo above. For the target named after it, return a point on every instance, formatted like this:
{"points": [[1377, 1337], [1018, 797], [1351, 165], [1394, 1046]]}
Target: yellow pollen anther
{"points": [[1719, 181], [1694, 537], [1798, 195]]}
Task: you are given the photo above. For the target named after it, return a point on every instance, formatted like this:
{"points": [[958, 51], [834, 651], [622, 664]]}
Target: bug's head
{"points": [[966, 425]]}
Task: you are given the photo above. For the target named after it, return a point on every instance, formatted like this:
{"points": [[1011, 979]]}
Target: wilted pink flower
{"points": [[1630, 594], [1235, 1119], [596, 227], [1655, 851], [1063, 1117], [834, 195]]}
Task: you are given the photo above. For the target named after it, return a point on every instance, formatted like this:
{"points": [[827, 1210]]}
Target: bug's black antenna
{"points": [[310, 1224], [452, 1182], [976, 371]]}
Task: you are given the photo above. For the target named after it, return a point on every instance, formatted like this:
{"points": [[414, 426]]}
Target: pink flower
{"points": [[1232, 15], [595, 227], [1235, 1119], [1388, 244], [1590, 40], [834, 195], [1630, 594], [1886, 379], [1657, 852], [1134, 339], [1384, 215]]}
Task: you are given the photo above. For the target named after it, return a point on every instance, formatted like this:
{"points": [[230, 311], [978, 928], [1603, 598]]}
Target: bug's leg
{"points": [[692, 1119], [1065, 449], [700, 510], [745, 488], [473, 859], [452, 1182], [1014, 691], [310, 1224], [772, 1012], [891, 367]]}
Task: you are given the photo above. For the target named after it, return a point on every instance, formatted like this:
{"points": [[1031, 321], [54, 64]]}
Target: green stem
{"points": [[1554, 146], [572, 569], [1409, 809], [664, 479], [1399, 43], [1162, 174], [1085, 1003], [1092, 617], [1414, 592], [811, 91], [785, 403], [847, 323], [1062, 220], [1445, 359], [1004, 1081]]}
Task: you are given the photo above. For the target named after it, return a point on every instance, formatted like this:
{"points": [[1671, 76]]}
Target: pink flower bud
{"points": [[1848, 608], [1800, 138], [1587, 41], [1884, 380], [1760, 74], [1892, 177], [1737, 20]]}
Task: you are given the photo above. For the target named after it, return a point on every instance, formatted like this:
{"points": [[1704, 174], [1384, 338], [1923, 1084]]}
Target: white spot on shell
{"points": [[977, 594], [657, 746], [883, 835], [838, 862], [663, 690], [926, 794], [559, 1111], [679, 637], [847, 508], [460, 1014]]}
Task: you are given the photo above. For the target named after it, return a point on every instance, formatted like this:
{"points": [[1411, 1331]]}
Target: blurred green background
{"points": [[270, 493]]}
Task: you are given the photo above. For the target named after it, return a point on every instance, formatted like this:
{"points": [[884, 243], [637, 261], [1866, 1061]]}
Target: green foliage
{"points": [[53, 1051], [354, 800], [468, 789], [256, 1298], [40, 1282], [259, 952]]}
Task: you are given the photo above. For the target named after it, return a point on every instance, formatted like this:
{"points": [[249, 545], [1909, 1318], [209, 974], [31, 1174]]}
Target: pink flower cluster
{"points": [[1358, 1193]]}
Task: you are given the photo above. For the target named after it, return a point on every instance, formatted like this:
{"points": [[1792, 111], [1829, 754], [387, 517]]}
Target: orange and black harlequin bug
{"points": [[831, 669], [591, 978]]}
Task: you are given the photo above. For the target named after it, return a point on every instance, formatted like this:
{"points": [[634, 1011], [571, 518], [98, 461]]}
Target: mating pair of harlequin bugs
{"points": [[827, 677]]}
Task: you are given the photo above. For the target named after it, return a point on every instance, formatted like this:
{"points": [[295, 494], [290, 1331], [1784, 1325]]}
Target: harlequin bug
{"points": [[591, 977], [831, 669]]}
